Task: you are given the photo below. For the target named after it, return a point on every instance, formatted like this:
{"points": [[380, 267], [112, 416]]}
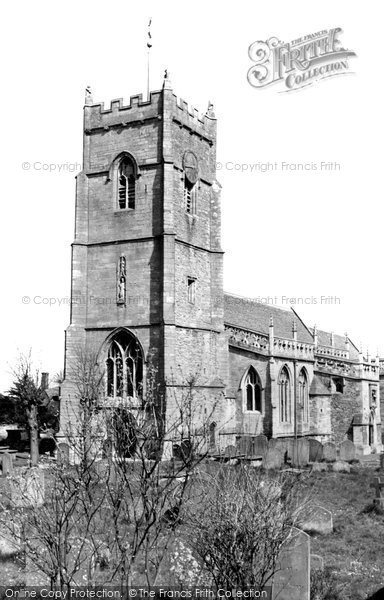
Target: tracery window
{"points": [[126, 184], [124, 367], [252, 388], [303, 394], [284, 396]]}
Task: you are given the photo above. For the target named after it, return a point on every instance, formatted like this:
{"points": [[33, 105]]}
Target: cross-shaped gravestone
{"points": [[378, 485]]}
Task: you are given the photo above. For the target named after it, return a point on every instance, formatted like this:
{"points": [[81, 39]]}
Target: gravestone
{"points": [[315, 451], [243, 445], [382, 461], [316, 519], [260, 445], [378, 485], [317, 562], [319, 466], [341, 467], [63, 454], [230, 451], [347, 451], [27, 488], [329, 452], [301, 456], [286, 446], [274, 457], [292, 578], [250, 448], [7, 464]]}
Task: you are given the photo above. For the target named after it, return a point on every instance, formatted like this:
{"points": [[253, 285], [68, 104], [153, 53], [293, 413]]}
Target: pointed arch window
{"points": [[126, 184], [252, 389], [284, 396], [303, 394], [124, 367]]}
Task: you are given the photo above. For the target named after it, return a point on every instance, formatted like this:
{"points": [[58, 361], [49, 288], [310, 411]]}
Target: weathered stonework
{"points": [[307, 383]]}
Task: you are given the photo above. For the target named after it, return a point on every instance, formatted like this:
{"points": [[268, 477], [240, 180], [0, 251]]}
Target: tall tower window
{"points": [[191, 173], [191, 290], [252, 387], [189, 197], [124, 367], [303, 395], [126, 184], [285, 396]]}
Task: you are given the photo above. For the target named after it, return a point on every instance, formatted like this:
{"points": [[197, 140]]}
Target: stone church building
{"points": [[147, 289]]}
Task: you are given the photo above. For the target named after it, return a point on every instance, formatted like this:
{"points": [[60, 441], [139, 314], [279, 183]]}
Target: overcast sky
{"points": [[287, 234]]}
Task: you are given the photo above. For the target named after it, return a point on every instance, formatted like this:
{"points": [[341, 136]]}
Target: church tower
{"points": [[146, 259]]}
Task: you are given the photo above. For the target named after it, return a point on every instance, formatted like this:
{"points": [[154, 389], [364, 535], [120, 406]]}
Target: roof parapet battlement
{"points": [[117, 104], [98, 115], [190, 110]]}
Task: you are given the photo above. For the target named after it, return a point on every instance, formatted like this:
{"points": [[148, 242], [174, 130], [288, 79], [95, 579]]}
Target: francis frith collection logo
{"points": [[299, 63]]}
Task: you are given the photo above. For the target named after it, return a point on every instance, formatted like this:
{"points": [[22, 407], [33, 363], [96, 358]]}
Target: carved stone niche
{"points": [[121, 282]]}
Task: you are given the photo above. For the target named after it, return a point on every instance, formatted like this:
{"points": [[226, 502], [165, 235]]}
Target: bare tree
{"points": [[117, 503], [28, 396], [239, 522]]}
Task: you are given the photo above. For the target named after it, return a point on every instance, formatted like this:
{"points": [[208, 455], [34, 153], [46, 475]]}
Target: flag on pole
{"points": [[149, 39]]}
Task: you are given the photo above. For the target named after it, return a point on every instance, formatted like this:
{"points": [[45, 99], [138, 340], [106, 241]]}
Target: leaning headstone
{"points": [[260, 445], [315, 451], [329, 452], [317, 562], [347, 451], [317, 519], [7, 464], [27, 488], [292, 578]]}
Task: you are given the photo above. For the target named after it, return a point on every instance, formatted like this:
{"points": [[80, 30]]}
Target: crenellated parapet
{"points": [[118, 114], [161, 104]]}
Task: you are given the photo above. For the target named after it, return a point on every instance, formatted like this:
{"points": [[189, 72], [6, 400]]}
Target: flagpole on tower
{"points": [[149, 46]]}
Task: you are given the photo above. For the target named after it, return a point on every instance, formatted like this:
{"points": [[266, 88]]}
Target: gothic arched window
{"points": [[126, 184], [252, 388], [191, 173], [124, 367], [303, 394], [285, 396]]}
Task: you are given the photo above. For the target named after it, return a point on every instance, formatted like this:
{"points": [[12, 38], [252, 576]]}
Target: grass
{"points": [[353, 553]]}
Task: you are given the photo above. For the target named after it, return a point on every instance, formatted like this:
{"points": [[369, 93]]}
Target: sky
{"points": [[311, 239]]}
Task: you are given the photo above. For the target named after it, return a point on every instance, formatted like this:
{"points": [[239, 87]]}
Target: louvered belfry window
{"points": [[189, 197], [127, 184]]}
